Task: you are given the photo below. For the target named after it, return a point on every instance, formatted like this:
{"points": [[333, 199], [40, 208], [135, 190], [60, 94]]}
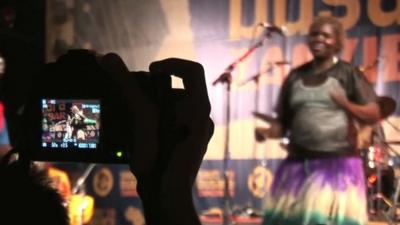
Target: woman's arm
{"points": [[368, 113]]}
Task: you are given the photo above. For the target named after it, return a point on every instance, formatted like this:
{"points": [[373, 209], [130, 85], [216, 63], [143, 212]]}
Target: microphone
{"points": [[282, 30], [369, 66]]}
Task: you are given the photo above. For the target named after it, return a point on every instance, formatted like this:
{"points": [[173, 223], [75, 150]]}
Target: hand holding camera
{"points": [[90, 108]]}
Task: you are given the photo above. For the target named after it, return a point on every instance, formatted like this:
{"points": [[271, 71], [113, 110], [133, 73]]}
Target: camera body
{"points": [[77, 111]]}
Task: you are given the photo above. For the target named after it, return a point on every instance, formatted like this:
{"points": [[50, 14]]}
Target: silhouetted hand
{"points": [[172, 131]]}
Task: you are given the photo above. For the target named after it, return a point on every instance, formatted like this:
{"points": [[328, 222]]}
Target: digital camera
{"points": [[78, 111]]}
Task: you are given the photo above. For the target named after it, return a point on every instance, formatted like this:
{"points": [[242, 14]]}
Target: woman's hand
{"points": [[273, 131]]}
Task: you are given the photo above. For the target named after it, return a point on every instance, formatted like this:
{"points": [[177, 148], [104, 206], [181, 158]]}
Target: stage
{"points": [[258, 221]]}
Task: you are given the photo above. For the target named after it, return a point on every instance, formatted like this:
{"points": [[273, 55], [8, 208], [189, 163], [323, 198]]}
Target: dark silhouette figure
{"points": [[172, 130], [27, 196]]}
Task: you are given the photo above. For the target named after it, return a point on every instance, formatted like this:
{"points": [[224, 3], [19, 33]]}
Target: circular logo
{"points": [[259, 181], [103, 182]]}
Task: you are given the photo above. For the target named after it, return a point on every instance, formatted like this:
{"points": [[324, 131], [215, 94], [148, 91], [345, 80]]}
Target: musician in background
{"points": [[322, 179]]}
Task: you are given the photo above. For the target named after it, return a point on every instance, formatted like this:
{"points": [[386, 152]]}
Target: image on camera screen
{"points": [[70, 123]]}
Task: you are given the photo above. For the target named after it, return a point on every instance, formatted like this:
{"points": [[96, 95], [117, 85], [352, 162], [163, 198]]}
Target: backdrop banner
{"points": [[217, 33]]}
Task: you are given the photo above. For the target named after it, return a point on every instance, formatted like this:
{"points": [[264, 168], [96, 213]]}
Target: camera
{"points": [[78, 111]]}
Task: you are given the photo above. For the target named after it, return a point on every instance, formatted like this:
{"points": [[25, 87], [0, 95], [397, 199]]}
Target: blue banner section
{"points": [[116, 201]]}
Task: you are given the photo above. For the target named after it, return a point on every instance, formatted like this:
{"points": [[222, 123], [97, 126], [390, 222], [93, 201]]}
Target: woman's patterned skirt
{"points": [[329, 191]]}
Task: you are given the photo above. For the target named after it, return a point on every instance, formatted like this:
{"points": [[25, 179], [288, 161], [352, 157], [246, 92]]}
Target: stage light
{"points": [[372, 179]]}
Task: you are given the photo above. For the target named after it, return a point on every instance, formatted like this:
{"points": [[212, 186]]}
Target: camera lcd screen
{"points": [[70, 123]]}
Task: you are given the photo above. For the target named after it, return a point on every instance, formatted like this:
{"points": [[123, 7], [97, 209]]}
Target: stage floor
{"points": [[369, 223], [257, 221]]}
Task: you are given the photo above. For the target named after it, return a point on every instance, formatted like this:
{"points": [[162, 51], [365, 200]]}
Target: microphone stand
{"points": [[78, 186], [226, 77], [81, 180], [390, 214], [256, 79]]}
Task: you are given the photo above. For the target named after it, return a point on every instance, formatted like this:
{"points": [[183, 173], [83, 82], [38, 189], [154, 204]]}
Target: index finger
{"points": [[193, 78]]}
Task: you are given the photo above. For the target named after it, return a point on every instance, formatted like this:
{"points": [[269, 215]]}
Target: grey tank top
{"points": [[319, 124]]}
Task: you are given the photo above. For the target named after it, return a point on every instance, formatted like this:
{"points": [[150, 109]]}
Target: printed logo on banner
{"points": [[103, 182], [128, 184], [259, 181], [210, 183], [105, 216], [213, 214], [134, 216]]}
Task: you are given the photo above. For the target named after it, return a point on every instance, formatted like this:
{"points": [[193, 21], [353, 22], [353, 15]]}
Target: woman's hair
{"points": [[336, 25]]}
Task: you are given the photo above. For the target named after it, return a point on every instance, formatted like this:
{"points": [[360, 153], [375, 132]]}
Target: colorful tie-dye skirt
{"points": [[329, 191]]}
